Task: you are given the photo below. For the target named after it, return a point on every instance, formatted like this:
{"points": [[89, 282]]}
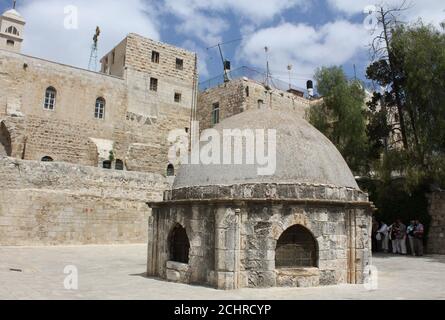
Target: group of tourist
{"points": [[397, 237]]}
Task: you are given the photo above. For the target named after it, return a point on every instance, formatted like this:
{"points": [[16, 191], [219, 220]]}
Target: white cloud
{"points": [[46, 36], [202, 19], [253, 10], [305, 47], [430, 11]]}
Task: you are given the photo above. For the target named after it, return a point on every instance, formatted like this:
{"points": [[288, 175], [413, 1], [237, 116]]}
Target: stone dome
{"points": [[13, 14], [303, 156]]}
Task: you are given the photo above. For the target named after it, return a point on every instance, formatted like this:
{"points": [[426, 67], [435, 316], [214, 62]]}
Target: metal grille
{"points": [[296, 248]]}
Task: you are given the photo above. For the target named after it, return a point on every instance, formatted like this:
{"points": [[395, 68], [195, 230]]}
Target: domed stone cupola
{"points": [[288, 214], [12, 26]]}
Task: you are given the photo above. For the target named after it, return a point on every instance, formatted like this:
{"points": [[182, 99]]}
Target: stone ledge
{"points": [[269, 191]]}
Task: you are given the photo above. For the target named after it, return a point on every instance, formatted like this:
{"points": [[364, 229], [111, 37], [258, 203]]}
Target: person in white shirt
{"points": [[383, 232]]}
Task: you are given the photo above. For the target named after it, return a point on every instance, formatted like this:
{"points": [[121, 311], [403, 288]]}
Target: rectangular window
{"points": [[179, 64], [50, 99], [178, 97], [215, 113], [153, 84], [155, 57]]}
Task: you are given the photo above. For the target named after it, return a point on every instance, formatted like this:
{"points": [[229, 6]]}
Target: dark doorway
{"points": [[5, 141], [47, 159], [170, 171], [296, 248], [179, 245]]}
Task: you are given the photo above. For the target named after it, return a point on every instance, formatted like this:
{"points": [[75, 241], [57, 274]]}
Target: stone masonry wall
{"points": [[140, 69], [234, 246], [66, 133], [436, 238], [64, 204], [240, 95]]}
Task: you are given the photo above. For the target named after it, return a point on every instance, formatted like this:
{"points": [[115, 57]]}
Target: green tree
{"points": [[341, 116], [416, 74]]}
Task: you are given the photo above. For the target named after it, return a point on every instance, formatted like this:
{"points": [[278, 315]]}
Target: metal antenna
{"points": [[92, 65], [13, 4], [225, 62]]}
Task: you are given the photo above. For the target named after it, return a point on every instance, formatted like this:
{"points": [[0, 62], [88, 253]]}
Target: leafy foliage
{"points": [[416, 75], [340, 116]]}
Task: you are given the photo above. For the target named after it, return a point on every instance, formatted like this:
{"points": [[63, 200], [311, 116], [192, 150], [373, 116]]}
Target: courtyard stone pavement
{"points": [[117, 272]]}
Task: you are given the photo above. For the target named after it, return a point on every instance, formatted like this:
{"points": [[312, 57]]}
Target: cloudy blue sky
{"points": [[305, 33]]}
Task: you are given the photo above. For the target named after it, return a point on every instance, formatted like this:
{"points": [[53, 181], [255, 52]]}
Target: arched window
{"points": [[12, 30], [170, 170], [47, 159], [99, 111], [106, 164], [119, 165], [179, 245], [296, 248], [50, 99]]}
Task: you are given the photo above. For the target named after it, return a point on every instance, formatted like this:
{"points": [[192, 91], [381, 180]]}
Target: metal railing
{"points": [[251, 74]]}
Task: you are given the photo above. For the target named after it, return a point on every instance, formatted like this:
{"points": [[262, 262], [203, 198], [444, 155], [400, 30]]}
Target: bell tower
{"points": [[12, 25]]}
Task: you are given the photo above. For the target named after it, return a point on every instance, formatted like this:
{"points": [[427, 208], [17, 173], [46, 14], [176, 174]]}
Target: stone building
{"points": [[62, 128], [231, 98], [116, 118], [308, 224]]}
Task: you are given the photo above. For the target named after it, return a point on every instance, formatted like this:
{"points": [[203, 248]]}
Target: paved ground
{"points": [[116, 272]]}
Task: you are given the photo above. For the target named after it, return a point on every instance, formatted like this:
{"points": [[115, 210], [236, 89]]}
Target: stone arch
{"points": [[296, 248], [179, 244], [5, 141], [295, 219]]}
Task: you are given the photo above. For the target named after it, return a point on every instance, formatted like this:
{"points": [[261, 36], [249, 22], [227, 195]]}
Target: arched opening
{"points": [[99, 111], [119, 165], [179, 245], [50, 98], [170, 170], [12, 30], [296, 248], [5, 141], [47, 159]]}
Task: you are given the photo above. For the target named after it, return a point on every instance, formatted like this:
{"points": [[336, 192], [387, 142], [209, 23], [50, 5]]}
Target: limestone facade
{"points": [[49, 203], [136, 120], [243, 94]]}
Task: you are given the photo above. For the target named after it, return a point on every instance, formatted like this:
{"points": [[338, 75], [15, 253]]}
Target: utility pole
{"points": [[266, 49], [289, 68]]}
